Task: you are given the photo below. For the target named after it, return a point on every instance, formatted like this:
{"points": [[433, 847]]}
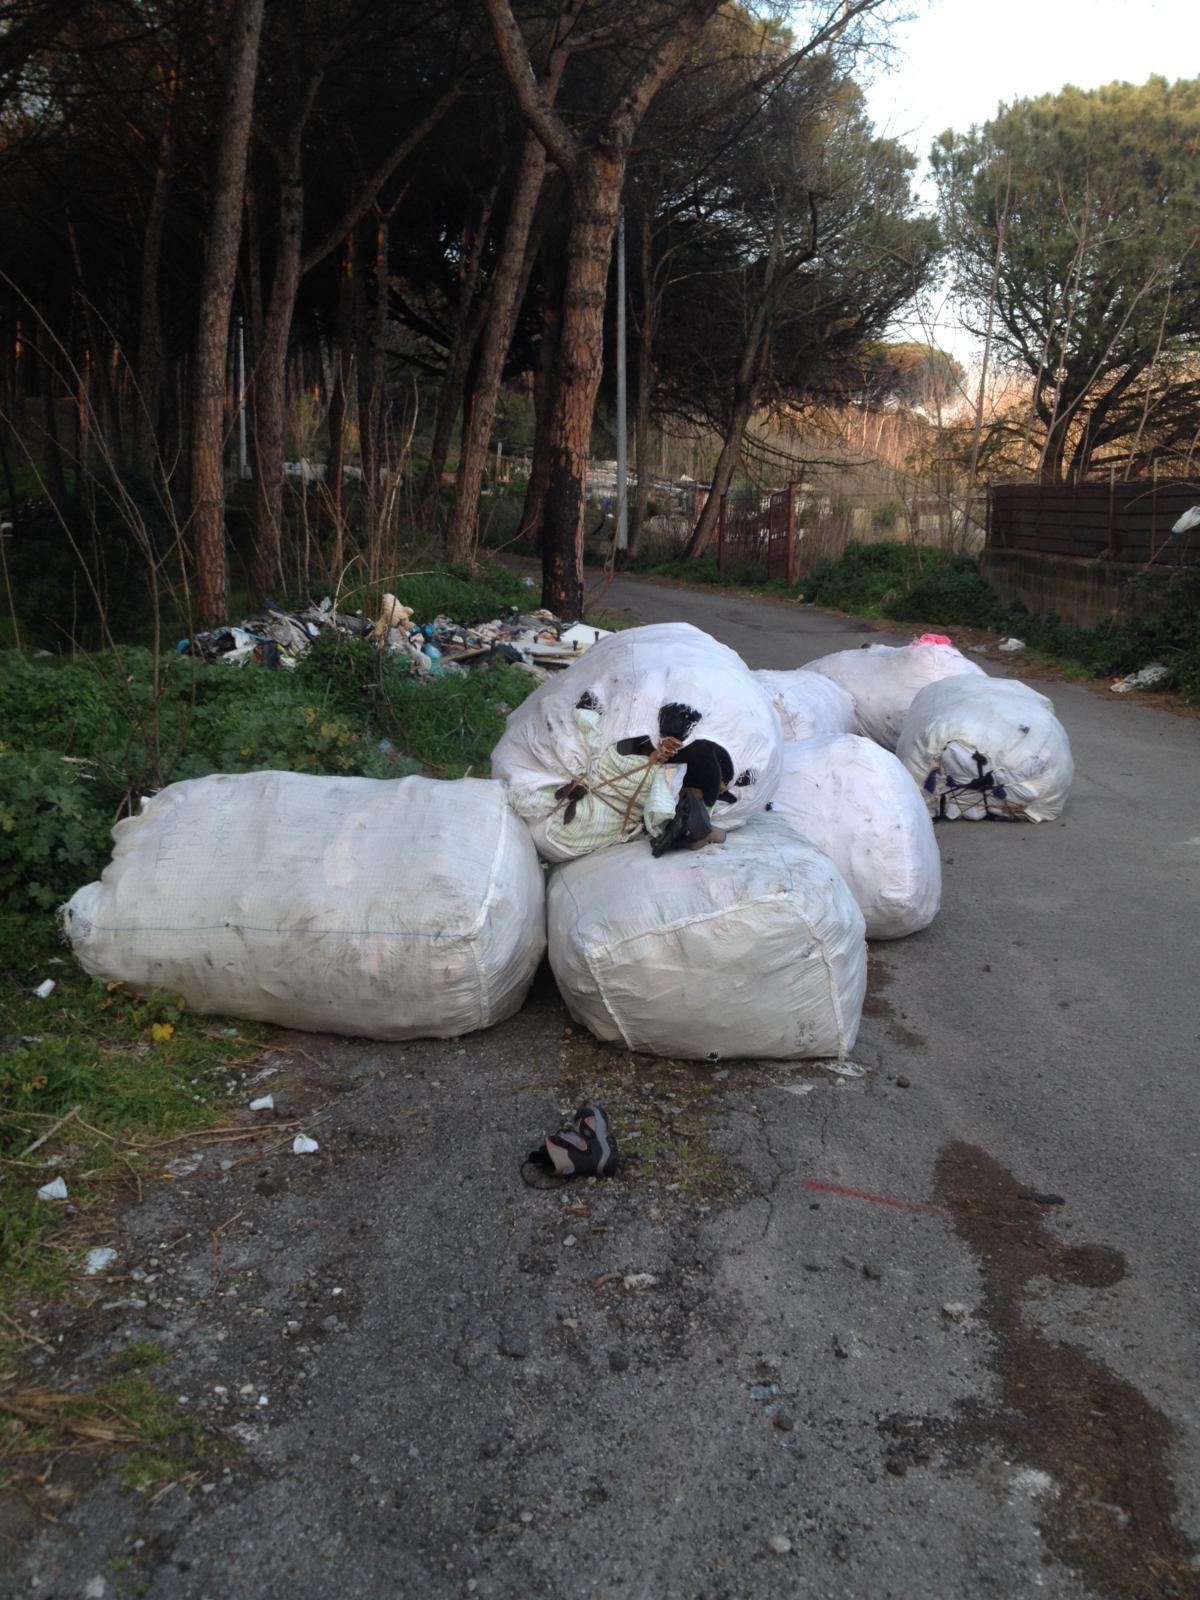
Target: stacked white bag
{"points": [[751, 948], [567, 730], [885, 678], [391, 909], [808, 704], [987, 747], [857, 803]]}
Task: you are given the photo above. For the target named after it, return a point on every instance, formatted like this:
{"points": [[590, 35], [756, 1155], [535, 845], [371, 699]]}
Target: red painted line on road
{"points": [[821, 1187]]}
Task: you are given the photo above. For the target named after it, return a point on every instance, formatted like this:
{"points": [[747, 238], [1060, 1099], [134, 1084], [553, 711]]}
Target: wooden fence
{"points": [[1128, 522]]}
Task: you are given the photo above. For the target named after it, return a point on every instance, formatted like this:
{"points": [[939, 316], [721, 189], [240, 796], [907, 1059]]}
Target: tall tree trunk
{"points": [[209, 558], [470, 313], [148, 442], [544, 367], [595, 200], [745, 394], [497, 335], [335, 471], [270, 388]]}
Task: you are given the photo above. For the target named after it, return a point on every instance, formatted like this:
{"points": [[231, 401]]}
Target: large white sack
{"points": [[392, 909], [808, 704], [751, 948], [884, 678], [858, 803], [987, 747], [565, 732]]}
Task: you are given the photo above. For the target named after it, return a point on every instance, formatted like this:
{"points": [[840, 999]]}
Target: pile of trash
{"points": [[716, 845], [538, 641]]}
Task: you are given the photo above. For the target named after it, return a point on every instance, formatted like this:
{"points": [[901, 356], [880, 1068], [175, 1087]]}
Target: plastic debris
{"points": [[845, 1069], [1009, 647], [1189, 520], [265, 1102], [98, 1259], [956, 1311], [302, 1145], [56, 1189], [272, 638], [1148, 678], [45, 989], [638, 1280]]}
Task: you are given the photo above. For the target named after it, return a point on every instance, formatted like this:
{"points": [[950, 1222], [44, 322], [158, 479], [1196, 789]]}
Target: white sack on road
{"points": [[808, 704], [394, 909], [858, 804], [633, 685], [751, 948], [987, 747], [883, 678]]}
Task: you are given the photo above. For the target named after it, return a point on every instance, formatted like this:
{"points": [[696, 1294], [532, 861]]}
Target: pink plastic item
{"points": [[932, 638]]}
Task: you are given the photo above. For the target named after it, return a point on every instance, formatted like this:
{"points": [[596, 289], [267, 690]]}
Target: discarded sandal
{"points": [[584, 1150]]}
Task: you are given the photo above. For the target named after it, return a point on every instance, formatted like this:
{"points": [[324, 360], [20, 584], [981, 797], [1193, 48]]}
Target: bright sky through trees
{"points": [[956, 60]]}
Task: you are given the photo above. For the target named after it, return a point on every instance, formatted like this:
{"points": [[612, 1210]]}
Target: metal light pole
{"points": [[622, 464]]}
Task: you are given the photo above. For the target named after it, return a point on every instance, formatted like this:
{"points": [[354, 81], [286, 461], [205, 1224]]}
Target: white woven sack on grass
{"points": [[987, 747], [754, 948], [394, 909], [858, 803], [808, 704], [884, 678], [623, 683]]}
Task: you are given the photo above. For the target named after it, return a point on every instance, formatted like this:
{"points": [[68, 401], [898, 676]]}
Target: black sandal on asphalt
{"points": [[587, 1149]]}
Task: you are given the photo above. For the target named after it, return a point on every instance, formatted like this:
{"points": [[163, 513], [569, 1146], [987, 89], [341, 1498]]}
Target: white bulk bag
{"points": [[751, 948], [883, 678], [857, 803], [394, 909], [564, 733], [987, 747], [808, 704]]}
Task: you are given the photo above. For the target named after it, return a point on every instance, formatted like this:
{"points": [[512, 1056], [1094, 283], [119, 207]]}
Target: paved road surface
{"points": [[1023, 1149]]}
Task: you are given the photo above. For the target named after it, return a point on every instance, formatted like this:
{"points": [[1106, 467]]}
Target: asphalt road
{"points": [[465, 1397]]}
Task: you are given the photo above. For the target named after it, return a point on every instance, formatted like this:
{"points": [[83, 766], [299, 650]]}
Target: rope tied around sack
{"points": [[575, 789]]}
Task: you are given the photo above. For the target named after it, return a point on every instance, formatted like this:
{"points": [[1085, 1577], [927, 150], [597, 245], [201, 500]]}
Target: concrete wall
{"points": [[1080, 590]]}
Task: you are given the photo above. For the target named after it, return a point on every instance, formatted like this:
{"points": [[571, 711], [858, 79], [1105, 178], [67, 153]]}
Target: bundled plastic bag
{"points": [[751, 948], [808, 704], [600, 751], [884, 678], [394, 909], [858, 804], [987, 747]]}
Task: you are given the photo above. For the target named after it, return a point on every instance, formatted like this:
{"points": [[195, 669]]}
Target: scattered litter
{"points": [[587, 1148], [638, 1280], [263, 1400], [1148, 678], [1043, 1199], [97, 1260], [1032, 1481], [273, 638], [265, 1102], [846, 1344], [763, 1391], [302, 1145], [779, 1544], [1189, 520], [181, 1166], [1009, 647], [797, 1088], [956, 1311], [56, 1189], [845, 1069], [45, 989]]}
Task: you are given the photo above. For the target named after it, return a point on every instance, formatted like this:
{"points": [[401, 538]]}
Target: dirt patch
{"points": [[1112, 1512]]}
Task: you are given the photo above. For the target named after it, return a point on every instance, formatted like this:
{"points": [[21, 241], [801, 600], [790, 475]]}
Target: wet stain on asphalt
{"points": [[1113, 1516], [880, 977]]}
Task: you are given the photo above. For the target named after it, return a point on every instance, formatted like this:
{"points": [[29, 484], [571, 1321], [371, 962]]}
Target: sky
{"points": [[956, 60]]}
